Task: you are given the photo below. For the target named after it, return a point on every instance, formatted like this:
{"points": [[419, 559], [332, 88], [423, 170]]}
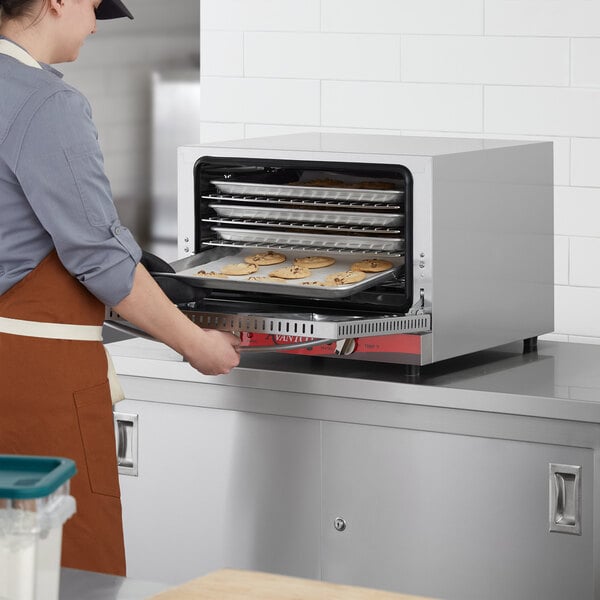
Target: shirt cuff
{"points": [[114, 284]]}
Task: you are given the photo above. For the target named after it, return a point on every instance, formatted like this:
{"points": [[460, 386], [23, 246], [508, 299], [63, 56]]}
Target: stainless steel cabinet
{"points": [[439, 502], [220, 488], [450, 516]]}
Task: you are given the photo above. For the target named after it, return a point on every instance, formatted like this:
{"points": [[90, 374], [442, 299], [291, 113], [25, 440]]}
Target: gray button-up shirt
{"points": [[53, 189]]}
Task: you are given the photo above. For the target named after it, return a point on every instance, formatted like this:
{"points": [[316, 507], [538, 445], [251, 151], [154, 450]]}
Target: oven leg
{"points": [[530, 345], [412, 370]]}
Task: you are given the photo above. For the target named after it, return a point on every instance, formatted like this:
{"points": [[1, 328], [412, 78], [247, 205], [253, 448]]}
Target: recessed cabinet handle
{"points": [[565, 498], [126, 434]]}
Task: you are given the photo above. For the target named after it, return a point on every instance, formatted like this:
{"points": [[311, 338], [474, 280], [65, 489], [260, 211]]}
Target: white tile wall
{"points": [[215, 132], [585, 57], [542, 110], [403, 16], [485, 59], [561, 260], [399, 105], [264, 100], [222, 53], [585, 161], [322, 56], [577, 211], [260, 15], [575, 309], [561, 18], [584, 262], [492, 68]]}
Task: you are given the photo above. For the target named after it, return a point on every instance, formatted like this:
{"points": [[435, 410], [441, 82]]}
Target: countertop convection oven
{"points": [[458, 232]]}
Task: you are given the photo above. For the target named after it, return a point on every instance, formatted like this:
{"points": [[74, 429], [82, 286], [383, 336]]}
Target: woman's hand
{"points": [[215, 353]]}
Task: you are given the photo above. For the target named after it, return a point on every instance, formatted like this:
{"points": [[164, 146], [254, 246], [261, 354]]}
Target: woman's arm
{"points": [[209, 351]]}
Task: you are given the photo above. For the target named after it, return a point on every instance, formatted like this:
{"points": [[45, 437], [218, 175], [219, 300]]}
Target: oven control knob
{"points": [[186, 249], [339, 524]]}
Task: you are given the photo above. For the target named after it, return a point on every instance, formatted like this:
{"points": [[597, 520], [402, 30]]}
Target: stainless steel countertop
{"points": [[85, 585], [560, 380]]}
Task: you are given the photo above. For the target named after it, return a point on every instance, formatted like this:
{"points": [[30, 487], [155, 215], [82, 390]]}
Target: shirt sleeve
{"points": [[61, 170]]}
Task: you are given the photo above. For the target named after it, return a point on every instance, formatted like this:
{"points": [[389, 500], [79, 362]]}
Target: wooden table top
{"points": [[231, 584]]}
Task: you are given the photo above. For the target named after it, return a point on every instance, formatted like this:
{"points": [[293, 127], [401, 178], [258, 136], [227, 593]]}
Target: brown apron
{"points": [[55, 400]]}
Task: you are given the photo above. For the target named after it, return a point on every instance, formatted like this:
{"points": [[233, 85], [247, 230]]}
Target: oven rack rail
{"points": [[300, 202], [319, 216], [309, 248], [312, 327], [324, 240], [370, 229], [303, 191]]}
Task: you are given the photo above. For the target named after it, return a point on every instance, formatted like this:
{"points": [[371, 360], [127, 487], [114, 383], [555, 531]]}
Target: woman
{"points": [[63, 257]]}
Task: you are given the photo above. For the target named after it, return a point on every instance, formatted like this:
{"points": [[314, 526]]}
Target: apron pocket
{"points": [[95, 416]]}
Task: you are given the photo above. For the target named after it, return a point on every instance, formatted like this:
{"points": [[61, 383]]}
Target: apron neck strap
{"points": [[11, 49]]}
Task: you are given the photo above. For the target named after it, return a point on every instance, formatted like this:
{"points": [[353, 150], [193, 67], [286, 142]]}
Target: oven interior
{"points": [[325, 208]]}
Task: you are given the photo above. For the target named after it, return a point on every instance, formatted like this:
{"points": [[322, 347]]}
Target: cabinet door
{"points": [[221, 488], [450, 516]]}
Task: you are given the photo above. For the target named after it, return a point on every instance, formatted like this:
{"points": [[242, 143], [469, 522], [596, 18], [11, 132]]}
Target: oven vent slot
{"points": [[254, 324], [314, 326], [228, 323], [400, 325]]}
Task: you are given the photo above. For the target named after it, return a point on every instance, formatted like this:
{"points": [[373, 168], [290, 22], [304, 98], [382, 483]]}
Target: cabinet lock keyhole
{"points": [[339, 524]]}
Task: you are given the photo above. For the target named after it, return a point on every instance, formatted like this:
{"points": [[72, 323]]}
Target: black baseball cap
{"points": [[112, 9]]}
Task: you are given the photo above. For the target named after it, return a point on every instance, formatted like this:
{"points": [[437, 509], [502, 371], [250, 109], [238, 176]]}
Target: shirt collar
{"points": [[44, 66], [51, 69]]}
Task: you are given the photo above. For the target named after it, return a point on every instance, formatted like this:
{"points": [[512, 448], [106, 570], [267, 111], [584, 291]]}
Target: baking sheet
{"points": [[305, 215], [303, 202], [300, 191], [317, 228], [290, 238], [214, 260]]}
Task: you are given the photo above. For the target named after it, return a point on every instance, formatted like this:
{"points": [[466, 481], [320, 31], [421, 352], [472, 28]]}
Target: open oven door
{"points": [[278, 328]]}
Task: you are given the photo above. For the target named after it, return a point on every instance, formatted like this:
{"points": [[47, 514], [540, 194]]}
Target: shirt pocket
{"points": [[96, 427], [87, 167]]}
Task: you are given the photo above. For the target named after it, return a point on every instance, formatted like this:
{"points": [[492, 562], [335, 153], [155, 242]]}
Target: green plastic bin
{"points": [[34, 505]]}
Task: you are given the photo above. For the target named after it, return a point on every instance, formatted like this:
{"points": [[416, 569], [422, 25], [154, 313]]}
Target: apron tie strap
{"points": [[55, 331], [64, 331]]}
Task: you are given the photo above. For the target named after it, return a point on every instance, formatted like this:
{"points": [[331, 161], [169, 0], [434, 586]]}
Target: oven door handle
{"points": [[127, 329], [294, 346]]}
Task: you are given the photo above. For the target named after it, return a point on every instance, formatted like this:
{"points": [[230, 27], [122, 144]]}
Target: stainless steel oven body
{"points": [[474, 231]]}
